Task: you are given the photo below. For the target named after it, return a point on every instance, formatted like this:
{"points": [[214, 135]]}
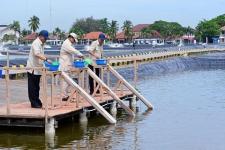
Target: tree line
{"points": [[167, 30]]}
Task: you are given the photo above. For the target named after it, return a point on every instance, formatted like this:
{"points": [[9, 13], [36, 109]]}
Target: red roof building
{"points": [[137, 33], [139, 27], [91, 36], [31, 37]]}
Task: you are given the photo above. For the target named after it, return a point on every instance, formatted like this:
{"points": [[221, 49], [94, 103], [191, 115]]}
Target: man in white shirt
{"points": [[66, 60], [36, 59], [96, 52]]}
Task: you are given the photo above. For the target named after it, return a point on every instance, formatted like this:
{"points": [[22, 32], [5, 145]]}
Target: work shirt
{"points": [[37, 47], [66, 57], [96, 49]]}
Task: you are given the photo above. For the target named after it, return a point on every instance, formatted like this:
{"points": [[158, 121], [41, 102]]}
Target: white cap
{"points": [[74, 36]]}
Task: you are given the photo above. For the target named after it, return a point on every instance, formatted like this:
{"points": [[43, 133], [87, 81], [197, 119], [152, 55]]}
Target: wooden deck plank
{"points": [[24, 110]]}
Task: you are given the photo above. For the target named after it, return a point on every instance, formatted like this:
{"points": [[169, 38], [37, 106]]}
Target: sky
{"points": [[63, 13]]}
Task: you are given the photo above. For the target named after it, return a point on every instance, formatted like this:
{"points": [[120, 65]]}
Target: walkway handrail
{"points": [[90, 99], [110, 92], [130, 87]]}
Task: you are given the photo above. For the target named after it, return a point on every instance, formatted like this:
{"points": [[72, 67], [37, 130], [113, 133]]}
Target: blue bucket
{"points": [[51, 67], [101, 61], [0, 73], [79, 64]]}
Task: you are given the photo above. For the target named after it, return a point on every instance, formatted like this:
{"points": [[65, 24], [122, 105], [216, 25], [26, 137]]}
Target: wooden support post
{"points": [[90, 99], [52, 89], [117, 85], [135, 72], [131, 88], [94, 69], [7, 58], [102, 78], [44, 81], [7, 91], [109, 91], [61, 85], [77, 99], [86, 81], [108, 77]]}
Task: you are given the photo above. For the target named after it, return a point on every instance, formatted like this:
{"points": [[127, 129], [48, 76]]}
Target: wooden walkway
{"points": [[15, 110], [24, 110]]}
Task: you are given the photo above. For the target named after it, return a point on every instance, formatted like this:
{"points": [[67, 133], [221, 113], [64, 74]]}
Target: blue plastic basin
{"points": [[79, 64], [51, 67], [101, 61]]}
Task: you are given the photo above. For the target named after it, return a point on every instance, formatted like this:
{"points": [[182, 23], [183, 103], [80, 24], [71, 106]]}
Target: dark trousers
{"points": [[33, 89], [91, 81]]}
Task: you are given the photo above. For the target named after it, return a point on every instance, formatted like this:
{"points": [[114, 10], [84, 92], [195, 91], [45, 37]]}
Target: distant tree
{"points": [[7, 38], [34, 23], [25, 32], [206, 29], [57, 31], [189, 31], [78, 31], [168, 30], [220, 20], [128, 30], [86, 25], [113, 28], [15, 26], [148, 33], [62, 35], [104, 25]]}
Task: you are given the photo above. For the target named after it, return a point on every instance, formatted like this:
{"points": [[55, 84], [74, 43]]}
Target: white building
{"points": [[5, 30]]}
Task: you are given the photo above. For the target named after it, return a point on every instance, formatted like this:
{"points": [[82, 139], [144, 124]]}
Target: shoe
{"points": [[36, 106], [65, 98]]}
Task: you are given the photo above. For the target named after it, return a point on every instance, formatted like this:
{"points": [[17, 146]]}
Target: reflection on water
{"points": [[189, 114]]}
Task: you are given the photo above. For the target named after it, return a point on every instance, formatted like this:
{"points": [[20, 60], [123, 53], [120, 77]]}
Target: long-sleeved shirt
{"points": [[96, 49], [66, 55]]}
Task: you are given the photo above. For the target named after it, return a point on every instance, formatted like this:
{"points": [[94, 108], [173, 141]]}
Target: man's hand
{"points": [[49, 61], [97, 57], [81, 56]]}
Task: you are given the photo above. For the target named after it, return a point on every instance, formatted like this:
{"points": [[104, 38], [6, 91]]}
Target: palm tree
{"points": [[113, 28], [15, 26], [62, 35], [34, 23], [57, 32], [104, 25], [127, 29]]}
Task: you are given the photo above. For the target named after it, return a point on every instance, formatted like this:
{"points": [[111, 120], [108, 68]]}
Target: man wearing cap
{"points": [[96, 51], [36, 59], [66, 60]]}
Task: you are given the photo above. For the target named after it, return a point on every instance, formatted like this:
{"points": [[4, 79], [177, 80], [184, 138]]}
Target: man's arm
{"points": [[37, 53], [91, 50], [70, 49]]}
